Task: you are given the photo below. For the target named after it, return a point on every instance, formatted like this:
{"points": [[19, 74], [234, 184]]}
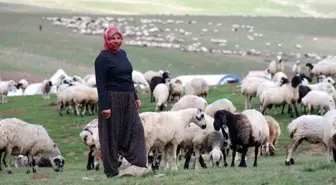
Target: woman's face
{"points": [[115, 40]]}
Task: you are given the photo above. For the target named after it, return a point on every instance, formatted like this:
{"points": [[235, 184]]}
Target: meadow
{"points": [[25, 52]]}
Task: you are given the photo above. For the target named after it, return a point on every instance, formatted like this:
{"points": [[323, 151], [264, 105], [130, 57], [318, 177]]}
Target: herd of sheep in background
{"points": [[193, 126]]}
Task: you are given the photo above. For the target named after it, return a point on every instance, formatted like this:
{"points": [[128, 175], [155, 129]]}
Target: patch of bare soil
{"points": [[15, 112], [40, 176], [16, 76], [52, 104]]}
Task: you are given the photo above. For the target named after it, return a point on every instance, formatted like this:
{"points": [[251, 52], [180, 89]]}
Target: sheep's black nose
{"points": [[203, 126]]}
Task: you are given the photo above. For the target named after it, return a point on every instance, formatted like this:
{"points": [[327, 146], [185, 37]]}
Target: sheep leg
{"points": [[246, 102], [201, 161], [250, 102], [283, 108], [0, 159], [224, 158], [83, 109], [89, 165], [33, 164], [242, 160], [60, 109], [233, 156], [296, 111], [174, 167], [197, 156], [334, 154], [96, 163], [291, 150], [255, 156], [5, 160], [187, 159]]}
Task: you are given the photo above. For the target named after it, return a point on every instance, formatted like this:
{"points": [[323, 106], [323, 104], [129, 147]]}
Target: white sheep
{"points": [[161, 94], [304, 128], [45, 88], [190, 101], [85, 97], [4, 87], [175, 90], [276, 65], [296, 69], [249, 88], [197, 86], [329, 133], [318, 100], [18, 137], [23, 84], [278, 76], [139, 78], [150, 74], [323, 78], [261, 74], [218, 105], [325, 67], [323, 86], [163, 129]]}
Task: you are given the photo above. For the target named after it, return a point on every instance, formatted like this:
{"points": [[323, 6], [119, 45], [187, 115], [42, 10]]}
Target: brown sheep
{"points": [[274, 134]]}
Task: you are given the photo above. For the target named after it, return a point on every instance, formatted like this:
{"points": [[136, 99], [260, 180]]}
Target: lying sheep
{"points": [[274, 134], [21, 138], [161, 94], [246, 129], [219, 105], [4, 86], [197, 86], [190, 101], [164, 129], [304, 128], [319, 100]]}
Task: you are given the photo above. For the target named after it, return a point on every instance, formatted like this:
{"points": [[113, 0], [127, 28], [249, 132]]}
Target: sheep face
{"points": [[87, 137], [283, 81], [199, 119], [57, 163], [296, 81], [220, 121]]}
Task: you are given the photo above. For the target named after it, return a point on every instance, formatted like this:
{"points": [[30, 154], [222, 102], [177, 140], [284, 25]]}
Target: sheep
{"points": [[249, 89], [86, 96], [190, 101], [261, 74], [4, 86], [274, 134], [305, 127], [175, 90], [324, 67], [246, 129], [23, 84], [329, 133], [198, 87], [323, 86], [286, 94], [90, 80], [303, 91], [157, 80], [323, 78], [318, 100], [305, 79], [218, 105], [165, 128], [270, 84], [276, 66], [40, 161], [278, 76], [45, 88], [161, 94], [310, 67], [33, 140], [139, 78], [296, 69], [150, 74], [215, 156]]}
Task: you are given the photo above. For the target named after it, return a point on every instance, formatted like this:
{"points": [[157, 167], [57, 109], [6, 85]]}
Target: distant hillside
{"points": [[325, 8]]}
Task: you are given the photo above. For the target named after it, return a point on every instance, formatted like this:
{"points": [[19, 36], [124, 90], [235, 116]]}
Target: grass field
{"points": [[311, 164]]}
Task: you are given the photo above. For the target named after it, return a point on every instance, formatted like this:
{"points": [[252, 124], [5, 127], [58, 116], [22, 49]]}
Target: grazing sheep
{"points": [[23, 84], [198, 87], [215, 156], [304, 128], [175, 90], [163, 129], [45, 88], [246, 129], [286, 94], [157, 80], [190, 101], [329, 133], [318, 100], [4, 86], [219, 105], [274, 134], [21, 138], [296, 69], [161, 94]]}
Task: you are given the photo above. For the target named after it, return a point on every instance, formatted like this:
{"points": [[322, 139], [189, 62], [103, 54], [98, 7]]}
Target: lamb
{"points": [[250, 87], [157, 80], [163, 129], [23, 84], [329, 133], [161, 94], [286, 94], [306, 127], [45, 88], [246, 129], [4, 86], [34, 140], [274, 134], [215, 156], [276, 65], [198, 87], [218, 105], [318, 100], [190, 101], [175, 90], [296, 69]]}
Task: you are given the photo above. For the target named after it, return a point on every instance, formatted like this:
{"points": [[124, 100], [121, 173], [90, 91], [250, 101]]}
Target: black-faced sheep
{"points": [[246, 129], [157, 80]]}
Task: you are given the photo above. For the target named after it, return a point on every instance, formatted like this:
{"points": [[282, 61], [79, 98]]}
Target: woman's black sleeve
{"points": [[103, 100]]}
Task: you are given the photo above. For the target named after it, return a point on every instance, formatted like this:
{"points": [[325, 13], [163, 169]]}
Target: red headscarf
{"points": [[113, 47]]}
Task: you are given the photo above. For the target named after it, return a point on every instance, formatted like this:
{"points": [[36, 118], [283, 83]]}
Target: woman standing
{"points": [[120, 128]]}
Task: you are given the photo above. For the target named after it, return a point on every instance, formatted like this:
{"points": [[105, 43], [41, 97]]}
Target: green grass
{"points": [[309, 168]]}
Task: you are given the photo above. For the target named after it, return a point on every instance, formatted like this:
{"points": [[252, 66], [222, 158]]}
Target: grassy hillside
{"points": [[311, 167]]}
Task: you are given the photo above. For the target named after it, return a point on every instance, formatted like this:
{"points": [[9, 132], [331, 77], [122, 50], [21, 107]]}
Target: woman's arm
{"points": [[100, 69]]}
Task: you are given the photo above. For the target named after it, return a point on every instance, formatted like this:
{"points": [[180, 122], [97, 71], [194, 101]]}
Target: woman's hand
{"points": [[107, 113], [137, 104]]}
